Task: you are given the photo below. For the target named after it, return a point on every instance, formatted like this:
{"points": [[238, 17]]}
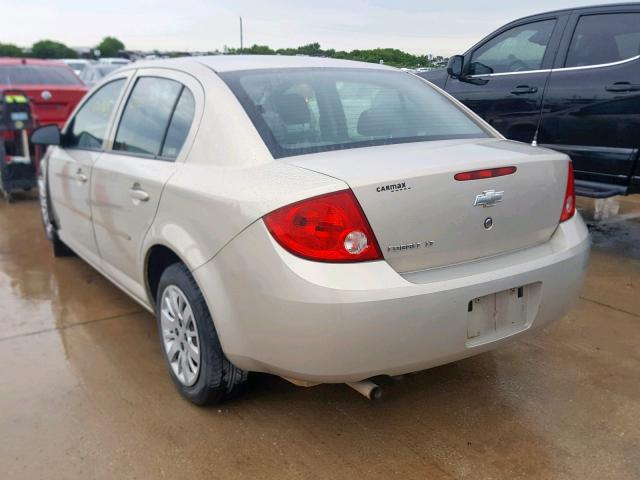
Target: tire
{"points": [[60, 249], [216, 379]]}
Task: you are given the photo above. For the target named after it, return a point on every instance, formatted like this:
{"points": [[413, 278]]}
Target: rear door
{"points": [[70, 166], [147, 148], [506, 74], [592, 103]]}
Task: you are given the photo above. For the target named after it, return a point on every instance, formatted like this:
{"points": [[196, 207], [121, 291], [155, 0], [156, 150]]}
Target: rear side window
{"points": [[37, 75], [89, 126], [605, 38], [299, 111], [180, 124], [147, 115]]}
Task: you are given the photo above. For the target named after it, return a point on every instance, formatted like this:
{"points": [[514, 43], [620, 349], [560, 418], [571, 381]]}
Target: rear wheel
{"points": [[192, 351]]}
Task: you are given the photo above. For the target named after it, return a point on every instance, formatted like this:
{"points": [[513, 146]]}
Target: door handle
{"points": [[524, 89], [623, 87], [138, 193], [81, 177]]}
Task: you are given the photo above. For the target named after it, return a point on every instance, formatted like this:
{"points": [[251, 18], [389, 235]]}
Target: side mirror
{"points": [[455, 66], [47, 135]]}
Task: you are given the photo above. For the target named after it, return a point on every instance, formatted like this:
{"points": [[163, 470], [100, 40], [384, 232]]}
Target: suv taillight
{"points": [[327, 228], [569, 205]]}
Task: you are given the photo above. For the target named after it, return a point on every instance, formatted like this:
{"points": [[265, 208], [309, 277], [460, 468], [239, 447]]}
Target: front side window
{"points": [[147, 115], [607, 38], [89, 126], [298, 111], [519, 49]]}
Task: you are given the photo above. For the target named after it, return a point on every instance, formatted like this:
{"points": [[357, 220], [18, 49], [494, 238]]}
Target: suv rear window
{"points": [[299, 111], [37, 75]]}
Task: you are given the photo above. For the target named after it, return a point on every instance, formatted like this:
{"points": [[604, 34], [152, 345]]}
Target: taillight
{"points": [[328, 228], [569, 205]]}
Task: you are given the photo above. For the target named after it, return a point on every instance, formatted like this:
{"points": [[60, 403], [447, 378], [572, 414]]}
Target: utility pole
{"points": [[241, 45]]}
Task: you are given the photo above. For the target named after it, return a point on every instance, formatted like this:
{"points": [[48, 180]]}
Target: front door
{"points": [[129, 178], [592, 103], [70, 166], [506, 75]]}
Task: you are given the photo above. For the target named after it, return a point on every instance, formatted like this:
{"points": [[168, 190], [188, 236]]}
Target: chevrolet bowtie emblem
{"points": [[488, 198]]}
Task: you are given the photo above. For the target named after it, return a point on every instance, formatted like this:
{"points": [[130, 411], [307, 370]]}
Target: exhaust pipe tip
{"points": [[367, 388], [376, 393]]}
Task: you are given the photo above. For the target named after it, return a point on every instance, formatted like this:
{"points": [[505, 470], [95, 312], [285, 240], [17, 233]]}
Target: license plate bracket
{"points": [[502, 314]]}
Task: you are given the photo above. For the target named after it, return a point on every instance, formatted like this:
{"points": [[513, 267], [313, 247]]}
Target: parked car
{"points": [[96, 72], [115, 61], [323, 220], [51, 86], [77, 64], [569, 80]]}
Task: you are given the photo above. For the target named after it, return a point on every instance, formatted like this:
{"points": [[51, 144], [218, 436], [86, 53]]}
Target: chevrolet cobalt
{"points": [[317, 219]]}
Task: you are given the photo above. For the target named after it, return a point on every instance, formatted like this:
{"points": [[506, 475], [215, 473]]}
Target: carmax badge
{"points": [[488, 198]]}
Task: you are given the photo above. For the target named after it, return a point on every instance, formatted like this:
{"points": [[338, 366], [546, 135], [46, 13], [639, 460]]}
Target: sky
{"points": [[416, 26]]}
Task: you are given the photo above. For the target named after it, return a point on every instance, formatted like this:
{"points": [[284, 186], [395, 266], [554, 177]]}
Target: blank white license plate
{"points": [[501, 314]]}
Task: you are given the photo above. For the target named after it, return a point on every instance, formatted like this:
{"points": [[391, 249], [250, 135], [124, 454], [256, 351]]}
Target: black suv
{"points": [[568, 80]]}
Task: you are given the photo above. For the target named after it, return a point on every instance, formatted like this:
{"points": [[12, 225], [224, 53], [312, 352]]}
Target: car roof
{"points": [[229, 63], [30, 61], [579, 9]]}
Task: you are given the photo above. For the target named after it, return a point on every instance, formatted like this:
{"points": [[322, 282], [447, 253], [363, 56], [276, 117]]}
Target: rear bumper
{"points": [[319, 322]]}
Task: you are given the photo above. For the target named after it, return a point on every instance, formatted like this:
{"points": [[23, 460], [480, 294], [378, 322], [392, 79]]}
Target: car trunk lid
{"points": [[52, 103], [424, 218]]}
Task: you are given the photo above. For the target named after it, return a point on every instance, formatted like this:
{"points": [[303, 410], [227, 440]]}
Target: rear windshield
{"points": [[37, 75], [299, 111]]}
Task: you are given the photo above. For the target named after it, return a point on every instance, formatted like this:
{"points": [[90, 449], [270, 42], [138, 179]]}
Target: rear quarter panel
{"points": [[228, 180]]}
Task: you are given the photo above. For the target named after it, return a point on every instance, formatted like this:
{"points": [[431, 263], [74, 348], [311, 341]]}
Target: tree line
{"points": [[112, 47], [108, 47], [388, 56]]}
